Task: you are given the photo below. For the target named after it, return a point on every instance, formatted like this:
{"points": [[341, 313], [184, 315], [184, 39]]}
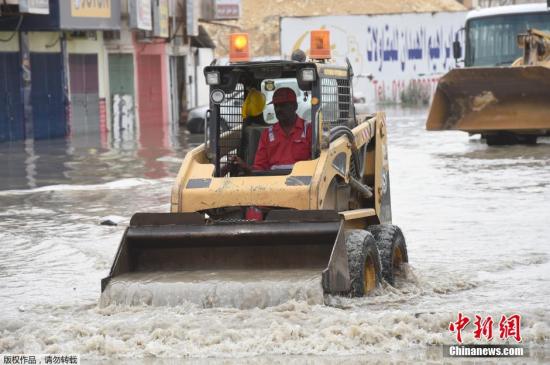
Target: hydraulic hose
{"points": [[356, 166], [339, 131]]}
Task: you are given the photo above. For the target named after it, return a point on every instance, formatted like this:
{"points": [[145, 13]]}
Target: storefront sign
{"points": [[91, 8], [220, 9], [227, 9], [160, 21], [34, 6], [140, 14], [89, 14], [193, 9]]}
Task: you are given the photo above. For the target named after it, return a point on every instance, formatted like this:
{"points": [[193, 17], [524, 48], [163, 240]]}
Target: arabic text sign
{"points": [[387, 52], [91, 8]]}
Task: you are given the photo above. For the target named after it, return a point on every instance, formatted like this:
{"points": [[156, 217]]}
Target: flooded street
{"points": [[476, 220]]}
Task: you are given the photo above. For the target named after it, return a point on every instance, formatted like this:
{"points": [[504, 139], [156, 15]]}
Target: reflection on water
{"points": [[89, 159], [154, 152]]}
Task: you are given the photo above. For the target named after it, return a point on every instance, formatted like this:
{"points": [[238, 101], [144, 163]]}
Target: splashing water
{"points": [[207, 289]]}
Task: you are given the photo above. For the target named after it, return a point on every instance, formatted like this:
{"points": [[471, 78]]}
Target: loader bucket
{"points": [[180, 250], [492, 99]]}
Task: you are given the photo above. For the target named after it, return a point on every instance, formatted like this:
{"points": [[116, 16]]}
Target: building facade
{"points": [[101, 69]]}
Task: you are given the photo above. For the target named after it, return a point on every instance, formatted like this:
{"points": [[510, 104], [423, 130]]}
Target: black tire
{"points": [[363, 261], [392, 248]]}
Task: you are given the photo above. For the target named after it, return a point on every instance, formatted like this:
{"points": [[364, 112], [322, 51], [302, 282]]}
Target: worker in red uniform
{"points": [[288, 140], [285, 142]]}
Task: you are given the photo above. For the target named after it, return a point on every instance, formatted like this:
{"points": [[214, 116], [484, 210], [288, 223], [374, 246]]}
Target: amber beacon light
{"points": [[238, 50], [320, 44]]}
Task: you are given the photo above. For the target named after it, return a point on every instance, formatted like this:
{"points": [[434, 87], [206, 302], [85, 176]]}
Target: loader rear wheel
{"points": [[363, 261], [393, 250]]}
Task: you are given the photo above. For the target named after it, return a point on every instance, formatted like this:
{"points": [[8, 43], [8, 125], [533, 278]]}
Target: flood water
{"points": [[476, 220]]}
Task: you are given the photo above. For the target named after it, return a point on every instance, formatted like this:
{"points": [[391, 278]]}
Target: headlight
{"points": [[307, 74], [217, 96], [213, 78]]}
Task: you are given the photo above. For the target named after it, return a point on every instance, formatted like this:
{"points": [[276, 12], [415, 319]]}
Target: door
{"points": [[178, 88], [48, 107], [121, 74], [12, 126], [121, 80], [84, 94], [150, 89]]}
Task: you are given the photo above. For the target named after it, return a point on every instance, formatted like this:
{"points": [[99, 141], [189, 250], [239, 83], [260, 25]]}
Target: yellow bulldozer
{"points": [[329, 215], [506, 105]]}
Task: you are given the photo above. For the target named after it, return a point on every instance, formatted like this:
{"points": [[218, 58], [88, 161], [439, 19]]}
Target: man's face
{"points": [[285, 112]]}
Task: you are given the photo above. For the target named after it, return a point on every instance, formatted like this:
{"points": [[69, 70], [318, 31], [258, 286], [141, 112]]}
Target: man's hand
{"points": [[237, 165]]}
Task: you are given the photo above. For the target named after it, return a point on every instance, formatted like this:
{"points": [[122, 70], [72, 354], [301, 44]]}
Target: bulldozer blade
{"points": [[476, 100], [186, 244]]}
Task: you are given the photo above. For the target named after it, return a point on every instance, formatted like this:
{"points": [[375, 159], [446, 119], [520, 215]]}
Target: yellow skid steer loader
{"points": [[328, 215], [505, 105]]}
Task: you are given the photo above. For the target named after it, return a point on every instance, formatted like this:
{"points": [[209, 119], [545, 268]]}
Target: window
{"points": [[303, 98], [491, 41]]}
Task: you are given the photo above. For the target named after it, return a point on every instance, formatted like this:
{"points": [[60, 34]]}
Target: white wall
{"points": [[387, 52], [490, 3], [206, 55], [197, 91]]}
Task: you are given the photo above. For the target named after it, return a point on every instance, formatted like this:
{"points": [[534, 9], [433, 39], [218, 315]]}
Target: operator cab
{"points": [[229, 95], [322, 89], [254, 126]]}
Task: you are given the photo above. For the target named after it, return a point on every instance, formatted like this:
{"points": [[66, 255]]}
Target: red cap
{"points": [[283, 95]]}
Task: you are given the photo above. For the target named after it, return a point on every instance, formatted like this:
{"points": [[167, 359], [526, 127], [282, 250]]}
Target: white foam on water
{"points": [[188, 331], [171, 159], [250, 315], [410, 288], [113, 185], [34, 211], [528, 259], [207, 289]]}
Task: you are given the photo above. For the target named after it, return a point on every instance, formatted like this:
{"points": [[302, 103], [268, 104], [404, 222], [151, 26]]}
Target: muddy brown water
{"points": [[476, 220]]}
